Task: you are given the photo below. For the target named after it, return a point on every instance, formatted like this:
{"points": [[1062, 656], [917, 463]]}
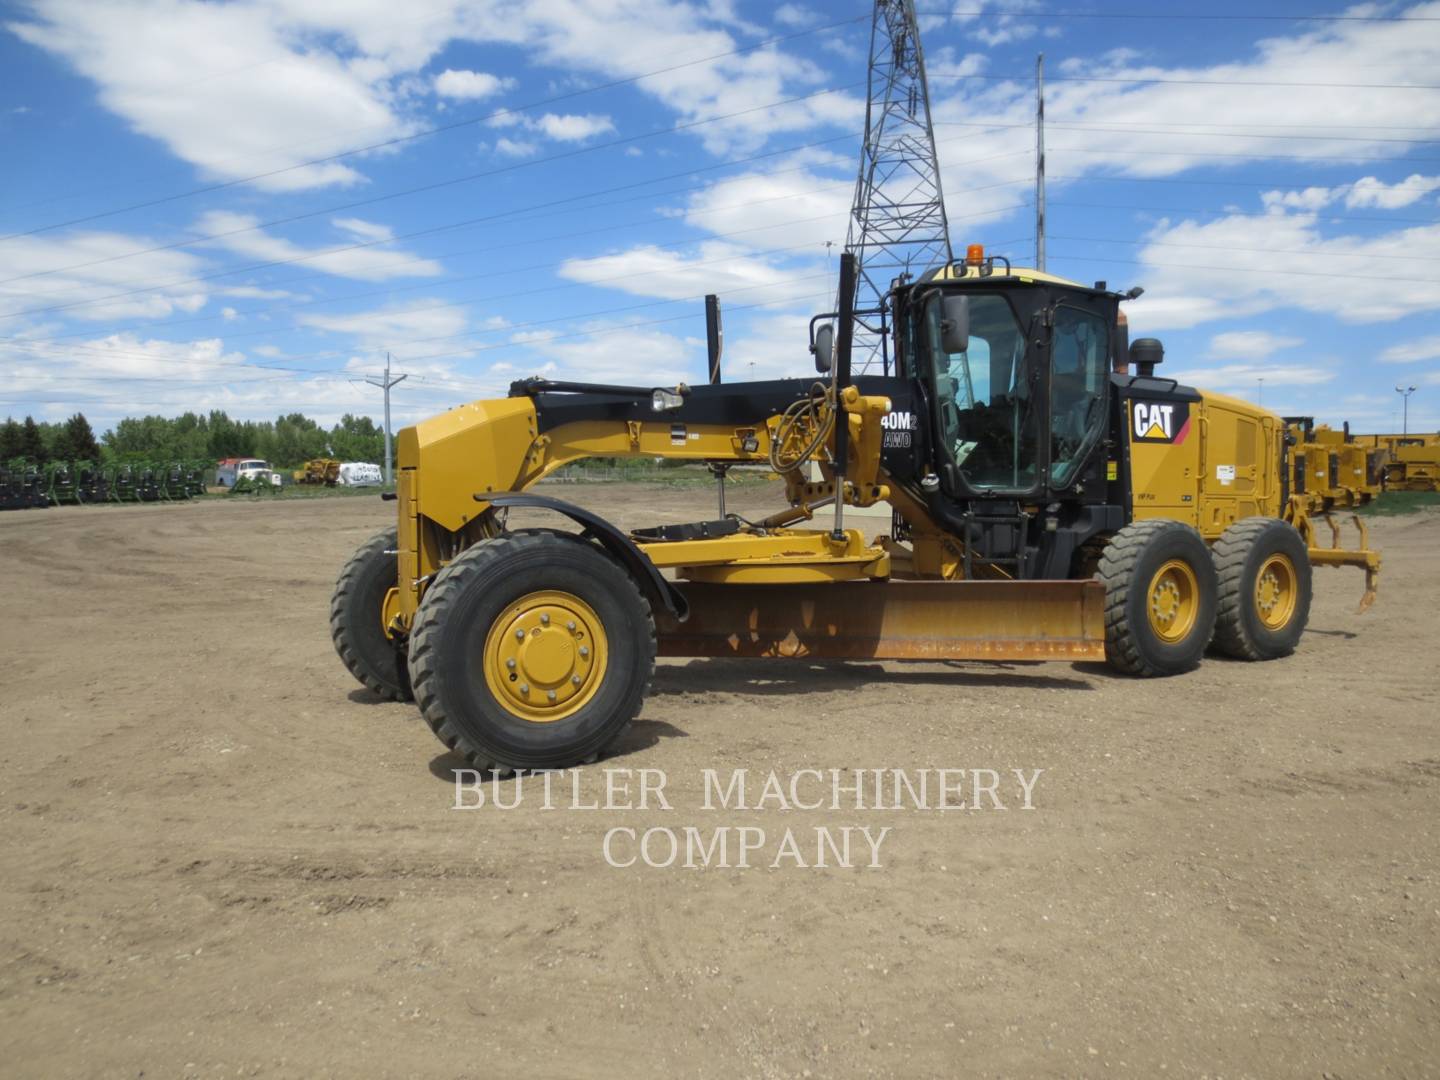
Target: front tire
{"points": [[531, 651], [355, 610], [1265, 587], [1160, 589]]}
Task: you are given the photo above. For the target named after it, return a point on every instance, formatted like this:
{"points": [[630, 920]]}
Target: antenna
{"points": [[897, 219], [1040, 161]]}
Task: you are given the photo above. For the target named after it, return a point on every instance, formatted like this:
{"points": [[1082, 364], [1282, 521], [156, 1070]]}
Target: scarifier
{"points": [[1053, 498]]}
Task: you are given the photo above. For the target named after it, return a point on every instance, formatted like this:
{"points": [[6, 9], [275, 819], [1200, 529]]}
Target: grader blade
{"points": [[892, 620]]}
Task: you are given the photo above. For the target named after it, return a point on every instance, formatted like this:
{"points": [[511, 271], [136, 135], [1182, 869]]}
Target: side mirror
{"points": [[824, 349], [955, 324]]}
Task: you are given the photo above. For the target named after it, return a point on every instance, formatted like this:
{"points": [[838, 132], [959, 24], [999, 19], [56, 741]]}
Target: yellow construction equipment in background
{"points": [[1411, 462], [324, 471], [1332, 471]]}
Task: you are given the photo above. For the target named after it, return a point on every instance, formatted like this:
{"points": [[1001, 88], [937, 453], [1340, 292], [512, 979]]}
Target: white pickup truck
{"points": [[233, 469]]}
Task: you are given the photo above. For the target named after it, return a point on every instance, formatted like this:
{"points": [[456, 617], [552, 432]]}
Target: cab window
{"points": [[987, 418], [1079, 369]]}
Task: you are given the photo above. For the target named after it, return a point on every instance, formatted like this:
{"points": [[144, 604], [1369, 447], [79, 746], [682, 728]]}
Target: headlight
{"points": [[662, 400]]}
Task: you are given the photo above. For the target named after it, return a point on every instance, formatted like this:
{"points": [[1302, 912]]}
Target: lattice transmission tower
{"points": [[897, 220]]}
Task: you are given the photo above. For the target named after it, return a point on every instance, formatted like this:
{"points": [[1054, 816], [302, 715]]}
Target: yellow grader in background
{"points": [[319, 471], [1411, 462], [1332, 470], [1053, 499]]}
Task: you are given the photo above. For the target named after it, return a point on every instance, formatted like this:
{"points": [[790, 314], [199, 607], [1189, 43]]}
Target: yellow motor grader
{"points": [[1053, 498]]}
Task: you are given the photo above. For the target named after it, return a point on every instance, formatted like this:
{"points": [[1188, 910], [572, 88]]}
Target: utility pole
{"points": [[1260, 393], [1405, 392], [1040, 161], [385, 384]]}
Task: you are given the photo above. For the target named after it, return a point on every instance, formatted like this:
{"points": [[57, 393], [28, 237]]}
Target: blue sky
{"points": [[187, 224]]}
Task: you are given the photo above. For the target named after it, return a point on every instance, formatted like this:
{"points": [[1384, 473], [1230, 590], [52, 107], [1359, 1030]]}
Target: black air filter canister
{"points": [[1145, 353]]}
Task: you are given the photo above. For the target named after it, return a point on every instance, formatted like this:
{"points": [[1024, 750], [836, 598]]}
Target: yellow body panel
{"points": [[1222, 467]]}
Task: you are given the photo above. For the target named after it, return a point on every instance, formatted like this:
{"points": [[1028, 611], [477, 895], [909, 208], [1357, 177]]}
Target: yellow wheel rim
{"points": [[1173, 601], [545, 656], [1275, 592]]}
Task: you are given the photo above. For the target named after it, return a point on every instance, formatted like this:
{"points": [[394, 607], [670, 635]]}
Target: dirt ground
{"points": [[221, 857]]}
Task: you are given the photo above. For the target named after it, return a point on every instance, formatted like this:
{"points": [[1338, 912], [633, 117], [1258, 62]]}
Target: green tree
{"points": [[357, 438], [32, 443], [75, 441], [11, 434]]}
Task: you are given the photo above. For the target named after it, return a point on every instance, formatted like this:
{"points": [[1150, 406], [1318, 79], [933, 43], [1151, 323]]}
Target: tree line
{"points": [[285, 442]]}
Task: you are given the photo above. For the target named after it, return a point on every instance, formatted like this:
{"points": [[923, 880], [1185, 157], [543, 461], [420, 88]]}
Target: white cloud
{"points": [[795, 16], [246, 87], [791, 204], [1372, 192], [1242, 265], [365, 230], [78, 290], [613, 353], [234, 88], [515, 147], [715, 267], [406, 330], [1243, 377], [1410, 352], [363, 263], [1112, 121], [570, 128], [470, 85], [1310, 198], [1250, 344], [994, 29]]}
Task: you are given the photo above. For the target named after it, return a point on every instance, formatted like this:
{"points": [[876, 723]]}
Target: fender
{"points": [[645, 573]]}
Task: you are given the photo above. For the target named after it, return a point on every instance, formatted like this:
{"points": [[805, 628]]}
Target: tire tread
{"points": [[435, 606], [339, 625]]}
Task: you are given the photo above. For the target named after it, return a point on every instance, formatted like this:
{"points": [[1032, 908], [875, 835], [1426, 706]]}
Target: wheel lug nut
{"points": [[519, 635], [570, 626], [551, 695], [524, 687], [544, 620], [584, 650], [510, 664], [575, 679]]}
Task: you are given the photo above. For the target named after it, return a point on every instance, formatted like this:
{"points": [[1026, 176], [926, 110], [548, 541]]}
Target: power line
{"points": [[1143, 80], [1313, 158], [310, 256], [1186, 134], [465, 223], [423, 188], [1215, 16], [1256, 251], [439, 128], [1319, 212], [511, 271], [1251, 185], [1239, 269]]}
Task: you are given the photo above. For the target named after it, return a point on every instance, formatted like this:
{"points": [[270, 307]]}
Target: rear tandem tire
{"points": [[355, 607], [531, 651], [1160, 598], [1265, 588]]}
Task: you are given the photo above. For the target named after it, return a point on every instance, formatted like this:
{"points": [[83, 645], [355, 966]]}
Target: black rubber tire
{"points": [[1130, 560], [376, 660], [1239, 553], [455, 616]]}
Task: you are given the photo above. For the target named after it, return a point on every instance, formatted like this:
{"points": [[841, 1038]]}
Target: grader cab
{"points": [[1053, 498]]}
